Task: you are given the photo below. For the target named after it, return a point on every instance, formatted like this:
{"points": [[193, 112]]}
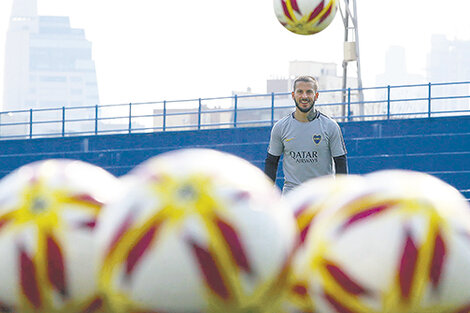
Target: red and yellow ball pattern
{"points": [[307, 202], [203, 231], [197, 231], [48, 213], [401, 244], [305, 17]]}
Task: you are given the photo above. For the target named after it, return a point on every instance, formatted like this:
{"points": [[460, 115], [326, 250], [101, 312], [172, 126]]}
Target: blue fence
{"points": [[375, 103]]}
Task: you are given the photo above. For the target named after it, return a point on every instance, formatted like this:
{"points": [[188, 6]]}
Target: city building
{"points": [[449, 61], [396, 74], [331, 94], [49, 69]]}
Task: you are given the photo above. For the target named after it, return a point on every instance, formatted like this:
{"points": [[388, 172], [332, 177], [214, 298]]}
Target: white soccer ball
{"points": [[309, 201], [48, 211], [305, 17], [196, 231], [399, 245]]}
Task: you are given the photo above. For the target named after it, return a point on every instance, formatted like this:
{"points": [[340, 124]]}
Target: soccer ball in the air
{"points": [[399, 245], [196, 231], [48, 212], [305, 17]]}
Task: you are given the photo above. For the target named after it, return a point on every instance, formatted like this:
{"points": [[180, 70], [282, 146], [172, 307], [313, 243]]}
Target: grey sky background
{"points": [[151, 50]]}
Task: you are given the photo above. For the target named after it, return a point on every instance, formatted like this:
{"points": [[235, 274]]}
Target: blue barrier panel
{"points": [[440, 146], [409, 144]]}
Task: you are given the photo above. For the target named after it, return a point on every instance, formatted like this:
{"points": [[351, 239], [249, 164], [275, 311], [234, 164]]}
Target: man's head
{"points": [[305, 93]]}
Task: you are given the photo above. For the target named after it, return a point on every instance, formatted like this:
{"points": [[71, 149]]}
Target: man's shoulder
{"points": [[327, 119], [283, 120], [324, 116]]}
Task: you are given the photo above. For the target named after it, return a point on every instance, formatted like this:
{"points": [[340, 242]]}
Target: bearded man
{"points": [[310, 142]]}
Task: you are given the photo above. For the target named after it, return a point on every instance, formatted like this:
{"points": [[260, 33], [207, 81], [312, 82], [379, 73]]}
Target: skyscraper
{"points": [[448, 61], [48, 65]]}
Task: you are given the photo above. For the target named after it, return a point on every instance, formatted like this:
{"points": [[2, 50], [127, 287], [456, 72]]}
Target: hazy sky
{"points": [[150, 50]]}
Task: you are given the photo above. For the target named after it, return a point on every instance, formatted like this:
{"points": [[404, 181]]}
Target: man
{"points": [[311, 143]]}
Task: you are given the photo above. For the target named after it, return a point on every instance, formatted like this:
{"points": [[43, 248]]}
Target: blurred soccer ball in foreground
{"points": [[311, 198], [400, 245], [309, 201], [305, 17], [196, 231], [48, 211]]}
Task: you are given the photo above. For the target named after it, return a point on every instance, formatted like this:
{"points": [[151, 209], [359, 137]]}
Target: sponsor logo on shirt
{"points": [[289, 139], [316, 139], [304, 156]]}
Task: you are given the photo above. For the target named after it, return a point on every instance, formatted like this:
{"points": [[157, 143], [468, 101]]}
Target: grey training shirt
{"points": [[308, 148]]}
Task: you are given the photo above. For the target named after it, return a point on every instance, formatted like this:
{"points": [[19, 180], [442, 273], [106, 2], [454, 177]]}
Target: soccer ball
{"points": [[399, 245], [305, 17], [308, 201], [48, 211], [197, 230], [314, 196]]}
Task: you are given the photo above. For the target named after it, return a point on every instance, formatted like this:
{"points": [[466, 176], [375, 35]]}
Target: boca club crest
{"points": [[316, 139]]}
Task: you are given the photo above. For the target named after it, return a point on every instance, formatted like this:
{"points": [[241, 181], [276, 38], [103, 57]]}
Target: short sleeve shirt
{"points": [[308, 148]]}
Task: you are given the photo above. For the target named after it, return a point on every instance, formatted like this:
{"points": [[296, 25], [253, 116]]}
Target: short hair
{"points": [[307, 79]]}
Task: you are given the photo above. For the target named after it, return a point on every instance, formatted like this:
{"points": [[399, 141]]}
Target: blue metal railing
{"points": [[385, 102]]}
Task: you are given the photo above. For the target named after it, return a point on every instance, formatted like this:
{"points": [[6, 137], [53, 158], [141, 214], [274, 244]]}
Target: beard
{"points": [[306, 109]]}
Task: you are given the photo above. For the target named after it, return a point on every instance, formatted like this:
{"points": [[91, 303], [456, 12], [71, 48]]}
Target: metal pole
{"points": [[429, 99], [349, 104], [63, 121], [164, 115], [96, 119], [272, 108], [235, 111], [345, 63], [30, 123], [388, 102], [359, 76], [130, 117], [353, 16], [199, 115]]}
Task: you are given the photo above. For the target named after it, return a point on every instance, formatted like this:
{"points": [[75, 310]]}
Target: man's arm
{"points": [[341, 164], [270, 166]]}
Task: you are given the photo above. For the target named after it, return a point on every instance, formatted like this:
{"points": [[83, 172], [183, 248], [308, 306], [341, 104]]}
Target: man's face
{"points": [[304, 96]]}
